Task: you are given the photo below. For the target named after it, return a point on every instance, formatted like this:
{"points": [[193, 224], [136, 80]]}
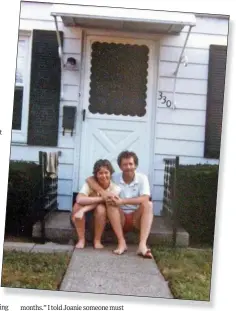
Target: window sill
{"points": [[18, 137]]}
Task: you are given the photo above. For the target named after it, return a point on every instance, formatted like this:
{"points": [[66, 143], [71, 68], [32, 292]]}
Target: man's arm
{"points": [[97, 188], [131, 201], [135, 201], [144, 194], [94, 185]]}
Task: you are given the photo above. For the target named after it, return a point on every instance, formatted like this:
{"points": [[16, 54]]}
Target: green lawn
{"points": [[33, 270], [187, 270]]}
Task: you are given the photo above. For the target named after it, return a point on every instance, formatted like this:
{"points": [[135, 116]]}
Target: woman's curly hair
{"points": [[102, 163]]}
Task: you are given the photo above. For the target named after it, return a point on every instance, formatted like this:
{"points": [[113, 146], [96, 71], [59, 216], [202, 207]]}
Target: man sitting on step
{"points": [[133, 208]]}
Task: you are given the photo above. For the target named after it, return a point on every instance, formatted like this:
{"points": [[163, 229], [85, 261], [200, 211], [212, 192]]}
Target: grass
{"points": [[33, 270], [187, 270], [12, 238]]}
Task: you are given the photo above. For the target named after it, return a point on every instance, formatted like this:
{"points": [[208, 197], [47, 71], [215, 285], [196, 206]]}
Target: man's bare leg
{"points": [[143, 218], [117, 219], [100, 222]]}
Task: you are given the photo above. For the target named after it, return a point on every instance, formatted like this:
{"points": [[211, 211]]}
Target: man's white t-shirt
{"points": [[139, 186]]}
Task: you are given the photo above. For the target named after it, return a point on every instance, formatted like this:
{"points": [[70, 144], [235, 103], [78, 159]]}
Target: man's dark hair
{"points": [[126, 155], [102, 163]]}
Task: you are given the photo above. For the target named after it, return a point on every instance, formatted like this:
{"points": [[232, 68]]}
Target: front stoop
{"points": [[58, 229]]}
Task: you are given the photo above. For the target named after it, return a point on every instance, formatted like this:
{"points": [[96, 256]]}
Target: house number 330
{"points": [[164, 100]]}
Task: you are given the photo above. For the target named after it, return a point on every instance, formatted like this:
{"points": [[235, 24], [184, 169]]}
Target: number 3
{"points": [[164, 98], [167, 102]]}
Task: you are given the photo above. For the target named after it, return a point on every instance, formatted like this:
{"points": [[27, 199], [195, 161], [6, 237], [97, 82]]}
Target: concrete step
{"points": [[58, 229]]}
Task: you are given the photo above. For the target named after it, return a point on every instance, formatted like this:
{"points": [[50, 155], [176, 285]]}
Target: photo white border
{"points": [[223, 273]]}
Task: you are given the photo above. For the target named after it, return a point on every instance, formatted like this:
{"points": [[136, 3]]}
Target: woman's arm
{"points": [[85, 200], [84, 209], [88, 208]]}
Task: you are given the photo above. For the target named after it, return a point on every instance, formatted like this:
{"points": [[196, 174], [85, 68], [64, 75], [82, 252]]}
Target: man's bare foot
{"points": [[144, 251], [98, 245], [79, 214], [122, 247], [80, 244]]}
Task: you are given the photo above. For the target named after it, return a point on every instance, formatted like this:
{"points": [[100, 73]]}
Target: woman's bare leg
{"points": [[79, 225], [100, 222]]}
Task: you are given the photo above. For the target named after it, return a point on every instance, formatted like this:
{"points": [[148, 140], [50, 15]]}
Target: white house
{"points": [[143, 80]]}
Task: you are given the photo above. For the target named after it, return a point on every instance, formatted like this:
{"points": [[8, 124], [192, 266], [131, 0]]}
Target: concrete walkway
{"points": [[102, 272], [39, 248]]}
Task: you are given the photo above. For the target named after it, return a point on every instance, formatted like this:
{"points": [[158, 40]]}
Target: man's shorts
{"points": [[129, 218], [129, 222]]}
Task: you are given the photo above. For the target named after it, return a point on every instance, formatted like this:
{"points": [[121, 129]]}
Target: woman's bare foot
{"points": [[122, 247], [98, 245], [80, 244]]}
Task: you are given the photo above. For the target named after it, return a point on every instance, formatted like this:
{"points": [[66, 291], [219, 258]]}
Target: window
{"points": [[118, 79], [21, 92]]}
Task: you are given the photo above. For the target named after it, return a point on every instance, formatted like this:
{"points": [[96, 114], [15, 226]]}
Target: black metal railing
{"points": [[48, 199], [169, 210]]}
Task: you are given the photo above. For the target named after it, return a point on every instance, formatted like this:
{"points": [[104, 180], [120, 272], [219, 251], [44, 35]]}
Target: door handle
{"points": [[84, 114]]}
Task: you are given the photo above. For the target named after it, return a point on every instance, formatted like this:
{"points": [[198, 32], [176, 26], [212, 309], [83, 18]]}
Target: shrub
{"points": [[196, 200], [24, 185]]}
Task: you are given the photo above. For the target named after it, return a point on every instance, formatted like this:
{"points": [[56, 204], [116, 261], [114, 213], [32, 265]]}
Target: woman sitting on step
{"points": [[87, 200]]}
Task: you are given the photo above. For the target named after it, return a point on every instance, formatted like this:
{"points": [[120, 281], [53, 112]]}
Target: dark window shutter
{"points": [[45, 86], [17, 108], [215, 100]]}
